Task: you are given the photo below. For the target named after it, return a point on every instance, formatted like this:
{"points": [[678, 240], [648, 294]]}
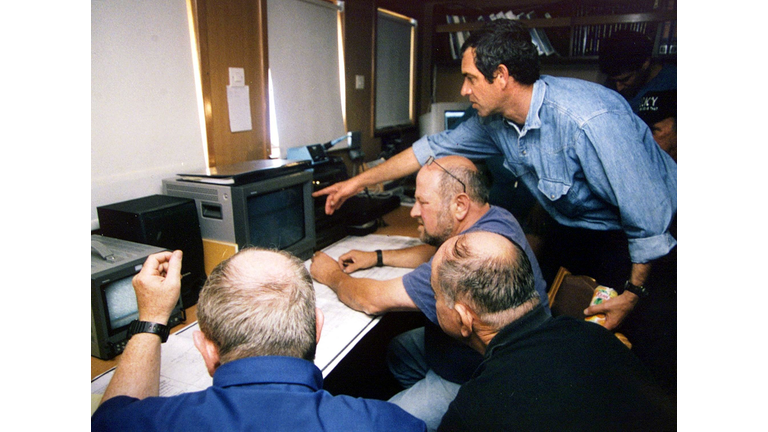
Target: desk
{"points": [[396, 223]]}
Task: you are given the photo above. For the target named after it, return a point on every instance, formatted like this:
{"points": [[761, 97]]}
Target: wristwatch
{"points": [[379, 258], [148, 327], [639, 291]]}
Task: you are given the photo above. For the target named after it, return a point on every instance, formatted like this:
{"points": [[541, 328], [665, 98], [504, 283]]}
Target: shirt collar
{"points": [[519, 328], [532, 120], [269, 370]]}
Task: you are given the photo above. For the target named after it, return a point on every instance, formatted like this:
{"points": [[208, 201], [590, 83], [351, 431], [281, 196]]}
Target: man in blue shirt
{"points": [[259, 329], [451, 198], [578, 147]]}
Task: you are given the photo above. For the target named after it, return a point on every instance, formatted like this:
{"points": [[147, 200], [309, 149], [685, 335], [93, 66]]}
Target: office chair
{"points": [[570, 294]]}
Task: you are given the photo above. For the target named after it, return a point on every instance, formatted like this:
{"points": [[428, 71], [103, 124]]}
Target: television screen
{"points": [[276, 219], [452, 119], [121, 303]]}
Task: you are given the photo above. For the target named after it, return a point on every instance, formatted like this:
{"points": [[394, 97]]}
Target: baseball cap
{"points": [[655, 106]]}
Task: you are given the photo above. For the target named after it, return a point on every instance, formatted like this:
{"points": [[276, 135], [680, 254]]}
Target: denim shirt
{"points": [[584, 155]]}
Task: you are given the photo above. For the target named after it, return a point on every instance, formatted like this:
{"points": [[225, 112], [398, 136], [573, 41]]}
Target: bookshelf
{"points": [[574, 29], [584, 29]]}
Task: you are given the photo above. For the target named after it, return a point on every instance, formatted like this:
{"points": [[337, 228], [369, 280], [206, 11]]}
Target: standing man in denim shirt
{"points": [[590, 162]]}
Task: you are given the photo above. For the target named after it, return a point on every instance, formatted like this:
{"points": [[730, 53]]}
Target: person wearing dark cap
{"points": [[658, 109], [626, 57]]}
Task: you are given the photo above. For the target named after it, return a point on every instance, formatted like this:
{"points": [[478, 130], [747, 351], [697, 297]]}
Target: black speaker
{"points": [[164, 221]]}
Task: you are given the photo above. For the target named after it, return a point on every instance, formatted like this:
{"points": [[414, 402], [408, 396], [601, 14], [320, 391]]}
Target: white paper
{"points": [[181, 365], [239, 103]]}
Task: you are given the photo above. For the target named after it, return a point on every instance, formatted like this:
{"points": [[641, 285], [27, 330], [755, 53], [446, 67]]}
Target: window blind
{"points": [[304, 66], [394, 70]]}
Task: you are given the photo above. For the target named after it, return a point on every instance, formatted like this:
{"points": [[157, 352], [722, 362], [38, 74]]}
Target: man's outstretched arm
{"points": [[398, 166]]}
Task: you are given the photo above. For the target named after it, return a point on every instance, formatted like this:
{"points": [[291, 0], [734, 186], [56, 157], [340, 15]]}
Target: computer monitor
{"points": [[442, 116]]}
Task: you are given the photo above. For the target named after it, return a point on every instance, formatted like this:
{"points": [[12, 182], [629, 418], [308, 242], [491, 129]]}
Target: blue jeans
{"points": [[426, 395]]}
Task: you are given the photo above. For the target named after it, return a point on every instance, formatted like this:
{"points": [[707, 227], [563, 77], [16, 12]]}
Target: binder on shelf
{"points": [[544, 45], [461, 36], [672, 36], [664, 40], [452, 41]]}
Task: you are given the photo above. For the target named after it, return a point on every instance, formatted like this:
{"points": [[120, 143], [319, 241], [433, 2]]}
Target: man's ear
{"points": [[461, 209], [208, 350], [467, 317], [501, 74], [319, 321]]}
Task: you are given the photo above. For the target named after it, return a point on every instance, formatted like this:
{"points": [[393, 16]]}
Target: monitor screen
{"points": [[121, 303], [452, 119], [276, 219]]}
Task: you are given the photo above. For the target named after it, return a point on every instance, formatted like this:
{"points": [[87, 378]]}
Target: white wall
{"points": [[145, 121]]}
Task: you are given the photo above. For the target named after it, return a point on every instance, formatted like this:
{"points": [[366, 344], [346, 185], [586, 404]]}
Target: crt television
{"points": [[114, 263], [270, 208]]}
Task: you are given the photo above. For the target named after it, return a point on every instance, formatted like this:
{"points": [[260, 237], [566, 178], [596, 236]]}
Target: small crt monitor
{"points": [[453, 118], [114, 263]]}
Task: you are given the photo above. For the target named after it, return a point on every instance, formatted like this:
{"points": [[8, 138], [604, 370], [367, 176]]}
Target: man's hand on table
{"points": [[326, 270]]}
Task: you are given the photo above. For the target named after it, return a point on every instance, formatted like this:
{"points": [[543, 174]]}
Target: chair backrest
{"points": [[570, 295]]}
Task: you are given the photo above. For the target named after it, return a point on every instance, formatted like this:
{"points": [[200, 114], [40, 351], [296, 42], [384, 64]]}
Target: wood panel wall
{"points": [[359, 45], [233, 33]]}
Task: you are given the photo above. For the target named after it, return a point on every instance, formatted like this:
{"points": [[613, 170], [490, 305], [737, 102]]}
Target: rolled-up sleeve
{"points": [[636, 177]]}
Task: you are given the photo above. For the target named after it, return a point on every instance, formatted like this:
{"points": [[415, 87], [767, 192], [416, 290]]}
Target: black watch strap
{"points": [[148, 327], [379, 258], [639, 291]]}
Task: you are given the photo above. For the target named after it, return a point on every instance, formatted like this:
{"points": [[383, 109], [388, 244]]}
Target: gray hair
{"points": [[250, 310], [494, 282], [475, 180]]}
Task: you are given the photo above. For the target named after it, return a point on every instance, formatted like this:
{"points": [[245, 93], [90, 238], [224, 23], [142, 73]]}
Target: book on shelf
{"points": [[664, 41], [666, 33], [452, 40], [545, 46], [587, 39], [673, 39], [460, 35], [538, 36]]}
